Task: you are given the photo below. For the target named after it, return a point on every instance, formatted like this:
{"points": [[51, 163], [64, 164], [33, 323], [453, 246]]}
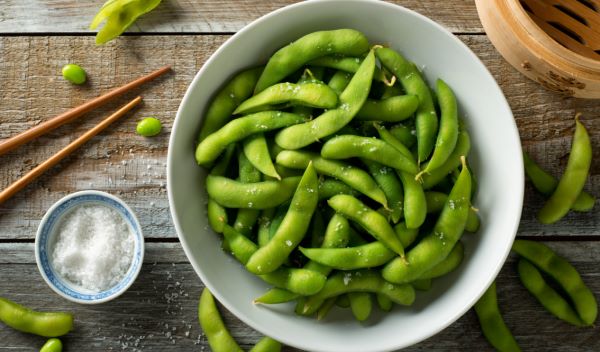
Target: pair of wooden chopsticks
{"points": [[65, 117]]}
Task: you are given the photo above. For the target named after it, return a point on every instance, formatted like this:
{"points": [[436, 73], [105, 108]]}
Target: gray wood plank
{"points": [[159, 310], [181, 16], [123, 163]]}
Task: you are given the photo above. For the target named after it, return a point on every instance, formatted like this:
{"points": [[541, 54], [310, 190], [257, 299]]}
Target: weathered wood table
{"points": [[159, 312]]}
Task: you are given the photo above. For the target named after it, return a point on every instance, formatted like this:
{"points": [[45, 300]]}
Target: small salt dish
{"points": [[47, 234]]}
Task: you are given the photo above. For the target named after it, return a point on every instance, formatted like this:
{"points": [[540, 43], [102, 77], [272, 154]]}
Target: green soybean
{"points": [[292, 229], [346, 64], [216, 333], [449, 264], [347, 173], [213, 145], [276, 295], [546, 184], [551, 300], [266, 344], [572, 181], [311, 94], [329, 187], [463, 146], [217, 216], [393, 109], [148, 127], [407, 236], [350, 102], [426, 119], [373, 222], [350, 146], [384, 303], [436, 246], [74, 74], [227, 99], [52, 345], [325, 308], [415, 205], [259, 195], [390, 185], [246, 217], [404, 134], [309, 47], [361, 304], [493, 326], [47, 324], [368, 255], [564, 274], [435, 203], [339, 81], [257, 152]]}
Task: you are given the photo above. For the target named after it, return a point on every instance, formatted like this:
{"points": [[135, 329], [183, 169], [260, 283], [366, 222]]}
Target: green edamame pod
{"points": [[448, 133], [368, 255], [339, 81], [257, 152], [373, 222], [435, 203], [406, 135], [407, 236], [325, 308], [264, 225], [391, 91], [361, 304], [309, 47], [259, 195], [436, 246], [227, 99], [347, 173], [277, 219], [346, 64], [47, 324], [350, 146], [390, 185], [426, 119], [546, 184], [393, 109], [415, 205], [463, 146], [451, 262], [246, 218], [311, 94], [267, 344], [275, 296], [384, 303], [359, 281], [216, 333], [551, 300], [222, 166], [52, 345], [350, 102], [311, 74], [565, 275], [493, 326], [292, 229], [217, 216], [330, 187], [236, 130], [572, 181]]}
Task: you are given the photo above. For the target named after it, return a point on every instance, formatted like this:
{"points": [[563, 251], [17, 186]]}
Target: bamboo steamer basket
{"points": [[554, 42]]}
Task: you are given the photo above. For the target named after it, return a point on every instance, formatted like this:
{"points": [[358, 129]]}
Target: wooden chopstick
{"points": [[24, 137], [56, 158]]}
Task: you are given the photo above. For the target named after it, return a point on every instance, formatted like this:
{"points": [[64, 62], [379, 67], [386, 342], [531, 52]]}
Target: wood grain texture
{"points": [[134, 168], [207, 16], [159, 312]]}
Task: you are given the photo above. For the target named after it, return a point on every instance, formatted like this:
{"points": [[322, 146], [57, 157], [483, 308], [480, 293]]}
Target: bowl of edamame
{"points": [[345, 154]]}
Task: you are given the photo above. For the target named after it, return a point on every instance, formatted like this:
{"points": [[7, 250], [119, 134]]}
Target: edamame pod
{"points": [[227, 99], [546, 184], [275, 296], [415, 205], [448, 133], [211, 147], [435, 203], [373, 222], [436, 246], [493, 326], [266, 344], [565, 275], [406, 135], [216, 333], [393, 109], [259, 195], [325, 308], [330, 187], [390, 185], [384, 303], [246, 218], [309, 47], [347, 173], [451, 262], [351, 100], [361, 304], [339, 81], [292, 229], [368, 255], [463, 146], [264, 224], [350, 146], [217, 216], [426, 119], [551, 300], [346, 64], [311, 94], [257, 152], [359, 281], [47, 324]]}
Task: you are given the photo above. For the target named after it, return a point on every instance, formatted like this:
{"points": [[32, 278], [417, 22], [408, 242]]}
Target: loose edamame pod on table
{"points": [[572, 181], [564, 274], [216, 333], [493, 326], [119, 15], [47, 324], [309, 47], [546, 184], [52, 345]]}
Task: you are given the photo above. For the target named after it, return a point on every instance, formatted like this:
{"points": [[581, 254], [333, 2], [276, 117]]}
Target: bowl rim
{"points": [[45, 268], [519, 188]]}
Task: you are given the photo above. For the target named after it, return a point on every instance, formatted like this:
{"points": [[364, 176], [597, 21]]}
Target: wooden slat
{"points": [[121, 162], [181, 16], [159, 311]]}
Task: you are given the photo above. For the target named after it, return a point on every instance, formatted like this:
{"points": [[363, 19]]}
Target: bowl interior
{"points": [[46, 237], [495, 158]]}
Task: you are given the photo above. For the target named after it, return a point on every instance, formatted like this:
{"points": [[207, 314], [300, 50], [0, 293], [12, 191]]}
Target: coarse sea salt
{"points": [[93, 247]]}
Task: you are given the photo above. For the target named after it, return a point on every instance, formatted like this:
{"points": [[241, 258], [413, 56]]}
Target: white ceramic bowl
{"points": [[496, 159], [44, 239]]}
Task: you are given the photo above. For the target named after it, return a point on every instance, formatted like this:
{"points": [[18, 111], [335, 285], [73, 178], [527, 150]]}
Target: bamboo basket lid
{"points": [[554, 42]]}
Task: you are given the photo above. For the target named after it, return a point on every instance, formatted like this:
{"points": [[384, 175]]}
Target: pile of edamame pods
{"points": [[337, 175]]}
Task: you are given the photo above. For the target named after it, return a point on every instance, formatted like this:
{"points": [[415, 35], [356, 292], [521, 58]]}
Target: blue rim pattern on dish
{"points": [[48, 229]]}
